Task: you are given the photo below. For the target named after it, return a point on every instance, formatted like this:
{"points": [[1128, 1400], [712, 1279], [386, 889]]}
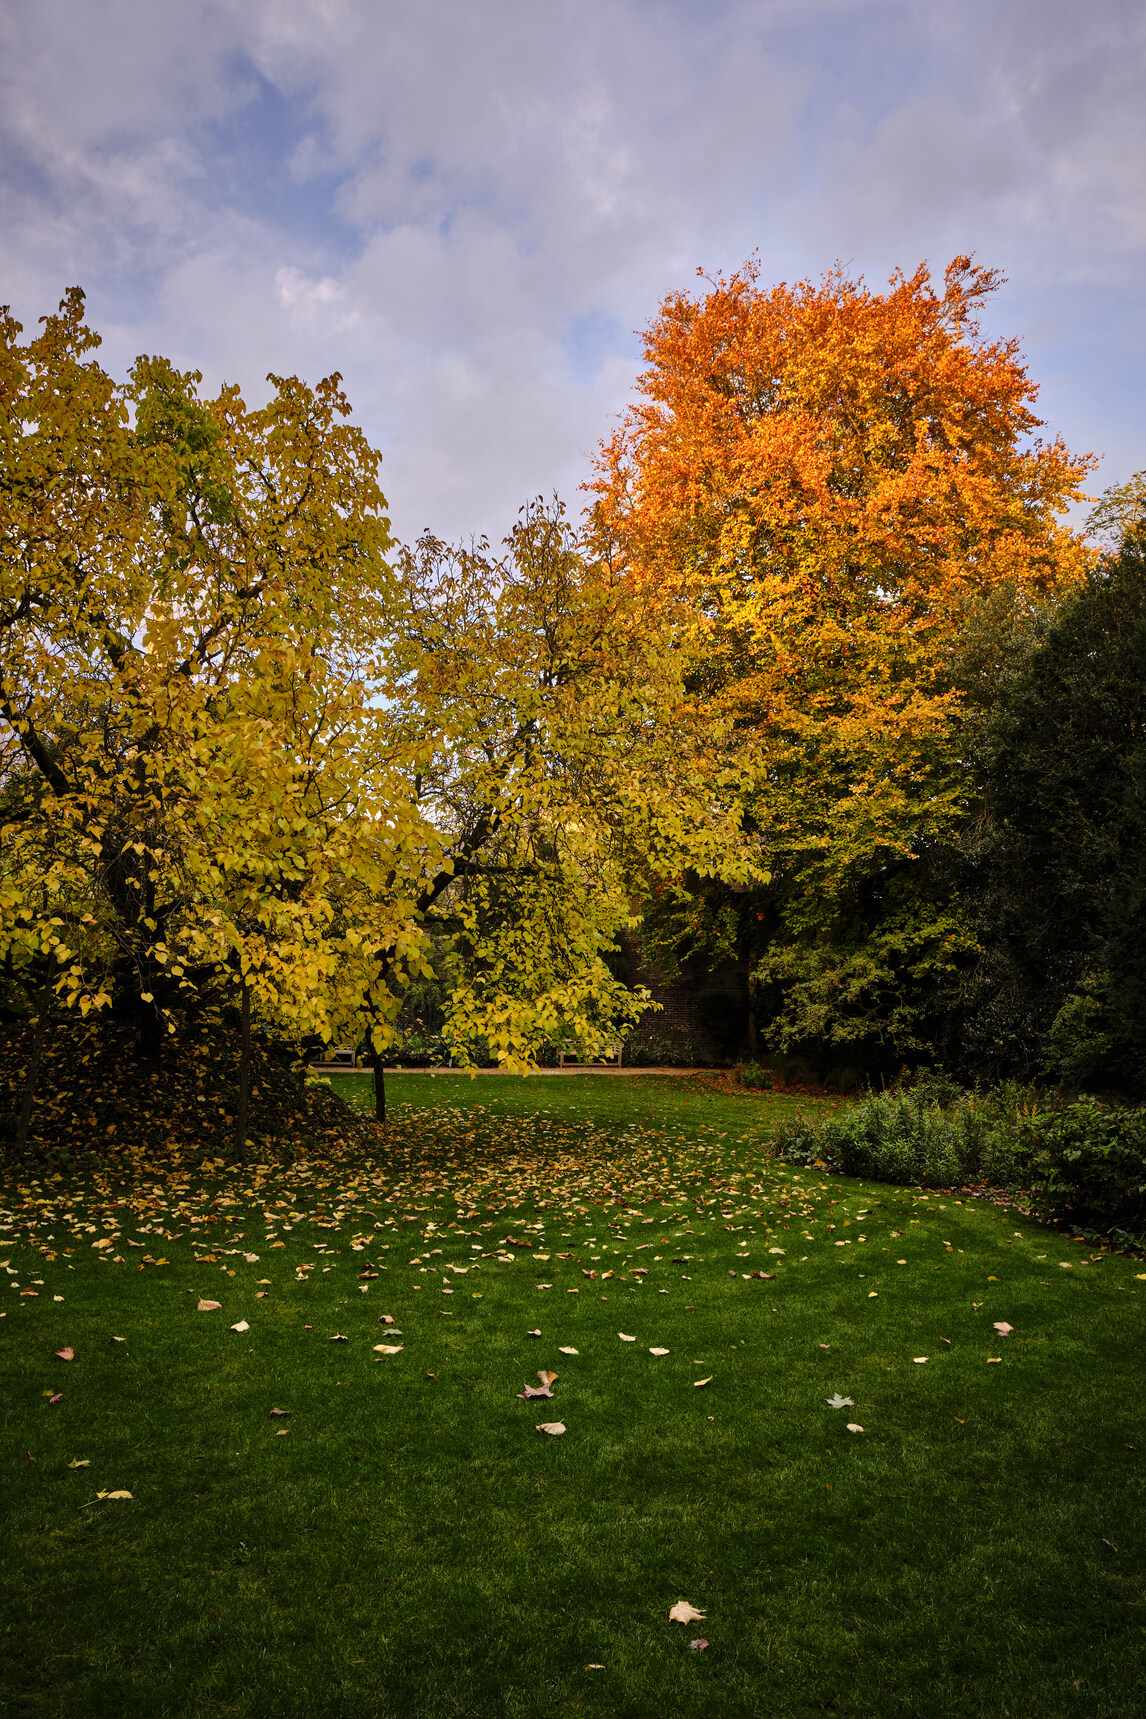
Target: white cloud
{"points": [[466, 209]]}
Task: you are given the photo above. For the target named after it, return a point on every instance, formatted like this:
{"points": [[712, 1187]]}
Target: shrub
{"points": [[758, 1078], [1089, 1161]]}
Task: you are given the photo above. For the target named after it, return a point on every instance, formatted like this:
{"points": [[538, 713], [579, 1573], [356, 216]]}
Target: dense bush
{"points": [[1085, 1160], [1089, 1161], [658, 1050]]}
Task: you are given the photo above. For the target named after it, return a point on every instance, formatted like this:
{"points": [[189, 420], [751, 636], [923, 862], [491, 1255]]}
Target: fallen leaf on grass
{"points": [[208, 1306], [853, 1426], [119, 1339], [533, 1333], [658, 1351], [58, 1398], [682, 1612], [241, 1326], [562, 1349], [872, 1293], [532, 1391], [919, 1359], [697, 1383], [279, 1414], [546, 1377], [385, 1319], [338, 1338], [1003, 1328], [625, 1338], [553, 1428], [994, 1360], [251, 1259], [80, 1462], [838, 1402], [67, 1354], [388, 1348], [699, 1645], [767, 1276]]}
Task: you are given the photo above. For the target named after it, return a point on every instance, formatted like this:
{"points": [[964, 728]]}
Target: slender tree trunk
{"points": [[244, 1076], [377, 1061], [38, 1037]]}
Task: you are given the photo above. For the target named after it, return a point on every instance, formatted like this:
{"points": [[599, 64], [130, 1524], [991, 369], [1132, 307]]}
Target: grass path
{"points": [[403, 1542]]}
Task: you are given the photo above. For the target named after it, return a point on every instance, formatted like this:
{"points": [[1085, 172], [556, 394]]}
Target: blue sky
{"points": [[468, 207]]}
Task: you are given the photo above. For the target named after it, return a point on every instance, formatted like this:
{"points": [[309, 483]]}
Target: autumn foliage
{"points": [[840, 481]]}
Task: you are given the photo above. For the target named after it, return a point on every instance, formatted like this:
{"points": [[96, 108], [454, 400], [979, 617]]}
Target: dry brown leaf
{"points": [[658, 1351], [66, 1354], [208, 1306], [1003, 1328], [532, 1391], [279, 1414], [388, 1348], [553, 1428], [562, 1349], [625, 1338], [546, 1377], [697, 1383], [682, 1612], [241, 1326]]}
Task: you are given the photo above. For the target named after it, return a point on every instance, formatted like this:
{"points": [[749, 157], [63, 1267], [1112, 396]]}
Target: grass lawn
{"points": [[403, 1541]]}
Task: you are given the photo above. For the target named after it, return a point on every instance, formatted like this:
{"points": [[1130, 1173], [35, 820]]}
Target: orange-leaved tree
{"points": [[841, 480]]}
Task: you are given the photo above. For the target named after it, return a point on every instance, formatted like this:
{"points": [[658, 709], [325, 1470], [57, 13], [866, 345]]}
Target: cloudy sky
{"points": [[470, 206]]}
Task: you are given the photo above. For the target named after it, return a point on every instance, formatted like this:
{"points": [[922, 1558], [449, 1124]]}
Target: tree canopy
{"points": [[838, 481], [251, 751]]}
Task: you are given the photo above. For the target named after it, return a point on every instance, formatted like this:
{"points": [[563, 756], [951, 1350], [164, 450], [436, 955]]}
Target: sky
{"points": [[470, 208]]}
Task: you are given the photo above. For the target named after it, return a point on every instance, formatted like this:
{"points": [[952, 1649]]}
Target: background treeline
{"points": [[824, 686], [1035, 904]]}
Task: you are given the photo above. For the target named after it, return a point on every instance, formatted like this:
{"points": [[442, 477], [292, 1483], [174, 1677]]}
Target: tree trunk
{"points": [[38, 1037], [377, 1061], [244, 1077]]}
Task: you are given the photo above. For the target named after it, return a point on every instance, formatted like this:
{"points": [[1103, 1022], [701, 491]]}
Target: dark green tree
{"points": [[1059, 853]]}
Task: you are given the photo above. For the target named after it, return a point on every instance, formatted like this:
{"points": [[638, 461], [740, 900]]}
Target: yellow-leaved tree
{"points": [[246, 758]]}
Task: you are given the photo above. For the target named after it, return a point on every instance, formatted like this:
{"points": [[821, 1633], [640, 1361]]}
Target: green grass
{"points": [[411, 1546]]}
